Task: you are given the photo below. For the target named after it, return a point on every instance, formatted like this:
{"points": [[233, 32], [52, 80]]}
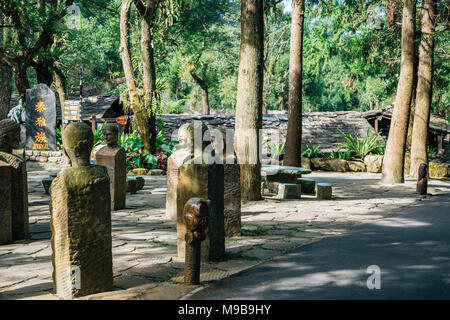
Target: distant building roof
{"points": [[437, 124]]}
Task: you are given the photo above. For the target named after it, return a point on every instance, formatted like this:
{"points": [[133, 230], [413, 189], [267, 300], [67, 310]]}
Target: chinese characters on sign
{"points": [[41, 118], [40, 138]]}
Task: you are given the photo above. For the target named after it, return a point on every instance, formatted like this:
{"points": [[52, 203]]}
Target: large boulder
{"points": [[439, 169], [373, 163], [306, 163], [318, 163], [356, 166], [337, 165]]}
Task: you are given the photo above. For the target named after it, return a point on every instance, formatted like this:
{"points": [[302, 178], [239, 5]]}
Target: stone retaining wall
{"points": [[45, 156]]}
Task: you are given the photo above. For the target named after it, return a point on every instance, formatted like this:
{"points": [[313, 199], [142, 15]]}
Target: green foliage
{"points": [[175, 107], [136, 158], [311, 152], [275, 149], [59, 136], [98, 134], [432, 153], [344, 155], [360, 146]]}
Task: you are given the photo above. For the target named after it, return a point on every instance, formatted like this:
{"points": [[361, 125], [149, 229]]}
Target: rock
{"points": [[337, 165], [373, 163], [306, 163], [156, 172], [140, 171], [439, 169], [318, 163], [356, 166], [324, 191]]}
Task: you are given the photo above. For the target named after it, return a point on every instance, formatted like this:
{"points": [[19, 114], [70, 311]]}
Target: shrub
{"points": [[360, 146], [311, 152], [347, 155]]}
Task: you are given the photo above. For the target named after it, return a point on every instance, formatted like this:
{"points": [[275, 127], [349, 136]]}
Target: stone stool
{"points": [[308, 185], [323, 191], [140, 182], [132, 185], [289, 191], [47, 182]]}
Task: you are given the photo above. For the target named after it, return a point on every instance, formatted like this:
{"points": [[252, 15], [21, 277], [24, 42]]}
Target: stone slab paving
{"points": [[144, 241]]}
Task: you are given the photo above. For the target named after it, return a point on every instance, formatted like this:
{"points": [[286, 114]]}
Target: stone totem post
{"points": [[196, 214], [5, 207], [80, 209], [113, 157], [422, 181], [9, 140], [224, 154], [200, 177]]}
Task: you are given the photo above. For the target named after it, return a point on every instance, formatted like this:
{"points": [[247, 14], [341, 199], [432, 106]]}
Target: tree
{"points": [[393, 162], [249, 98], [5, 74], [424, 89], [145, 100], [294, 130], [34, 27]]}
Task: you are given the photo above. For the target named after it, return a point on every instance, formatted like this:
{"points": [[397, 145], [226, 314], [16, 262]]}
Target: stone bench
{"points": [[274, 175], [324, 191], [308, 185], [289, 191]]}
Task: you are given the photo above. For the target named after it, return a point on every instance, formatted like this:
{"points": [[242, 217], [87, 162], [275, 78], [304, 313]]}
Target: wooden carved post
{"points": [[422, 181], [196, 214]]}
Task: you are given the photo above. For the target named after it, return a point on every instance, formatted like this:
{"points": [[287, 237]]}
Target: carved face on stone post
{"points": [[111, 135], [196, 215], [422, 171], [9, 135], [78, 141]]}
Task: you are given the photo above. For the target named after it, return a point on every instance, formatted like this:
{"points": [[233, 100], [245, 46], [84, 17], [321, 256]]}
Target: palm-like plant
{"points": [[360, 146]]}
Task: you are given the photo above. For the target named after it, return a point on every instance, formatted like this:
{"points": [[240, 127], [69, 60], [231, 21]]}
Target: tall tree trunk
{"points": [[143, 121], [393, 162], [202, 84], [249, 98], [5, 75], [21, 80], [148, 119], [61, 86], [424, 89], [293, 154], [5, 89]]}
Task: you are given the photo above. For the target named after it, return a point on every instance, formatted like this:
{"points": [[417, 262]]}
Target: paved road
{"points": [[411, 248]]}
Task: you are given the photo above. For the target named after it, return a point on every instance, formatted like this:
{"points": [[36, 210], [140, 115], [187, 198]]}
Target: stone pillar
{"points": [[232, 200], [80, 210], [114, 159], [5, 207], [9, 140]]}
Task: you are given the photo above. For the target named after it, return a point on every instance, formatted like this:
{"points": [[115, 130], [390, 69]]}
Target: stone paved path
{"points": [[144, 242]]}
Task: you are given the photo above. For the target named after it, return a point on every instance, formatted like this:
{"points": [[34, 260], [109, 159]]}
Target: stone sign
{"points": [[40, 118]]}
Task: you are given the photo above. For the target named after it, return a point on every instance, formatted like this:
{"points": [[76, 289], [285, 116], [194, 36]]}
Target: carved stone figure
{"points": [[113, 157], [80, 209], [422, 181], [196, 214], [9, 140]]}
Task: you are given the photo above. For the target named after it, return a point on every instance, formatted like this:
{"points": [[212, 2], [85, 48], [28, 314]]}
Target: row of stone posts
{"points": [[203, 197]]}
